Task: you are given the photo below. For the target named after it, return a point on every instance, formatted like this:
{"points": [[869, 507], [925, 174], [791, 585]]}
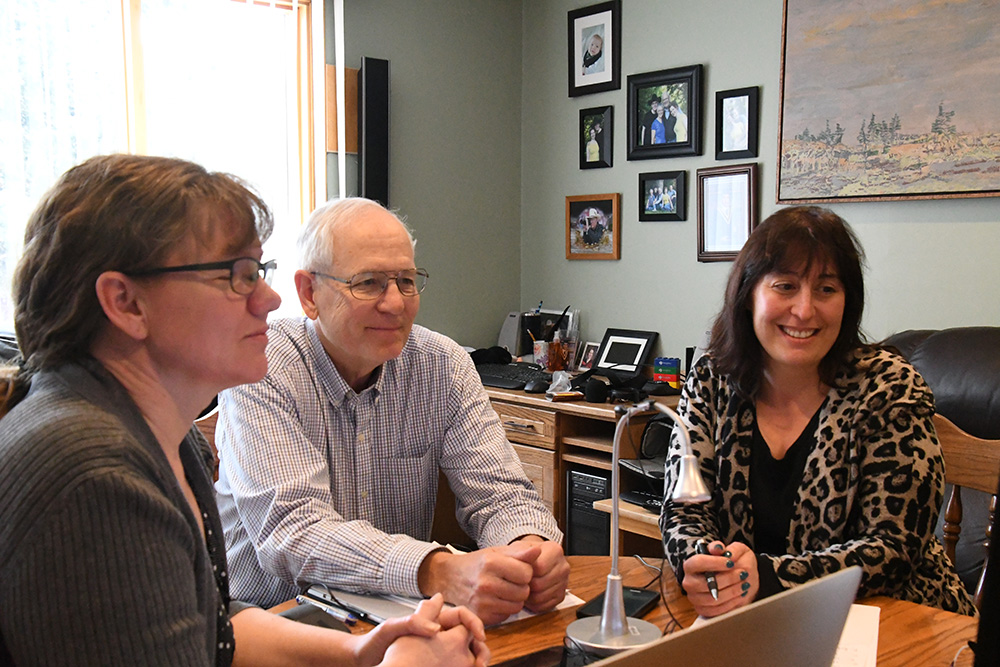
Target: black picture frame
{"points": [[655, 203], [680, 86], [605, 21], [600, 153], [727, 210], [736, 123]]}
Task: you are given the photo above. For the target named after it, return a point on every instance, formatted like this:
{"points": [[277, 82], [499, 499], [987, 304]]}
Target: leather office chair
{"points": [[962, 368]]}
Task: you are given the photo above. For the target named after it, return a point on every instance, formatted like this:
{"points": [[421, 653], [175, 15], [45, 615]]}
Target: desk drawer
{"points": [[540, 468], [528, 426]]}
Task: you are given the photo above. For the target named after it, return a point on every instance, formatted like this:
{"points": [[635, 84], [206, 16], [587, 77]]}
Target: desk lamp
{"points": [[613, 631]]}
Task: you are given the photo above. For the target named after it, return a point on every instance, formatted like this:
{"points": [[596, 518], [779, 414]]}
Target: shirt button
{"points": [[363, 438], [364, 495]]}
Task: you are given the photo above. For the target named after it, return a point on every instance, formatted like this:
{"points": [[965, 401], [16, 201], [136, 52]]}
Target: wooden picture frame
{"points": [[736, 123], [727, 210], [888, 105], [591, 72], [663, 196], [596, 137], [664, 113], [593, 226]]}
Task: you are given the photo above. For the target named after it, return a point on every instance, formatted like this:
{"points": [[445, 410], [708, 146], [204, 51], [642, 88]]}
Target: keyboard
{"points": [[511, 376], [650, 501]]}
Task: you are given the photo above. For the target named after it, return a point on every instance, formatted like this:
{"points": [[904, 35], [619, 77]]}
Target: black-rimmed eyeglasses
{"points": [[372, 284], [244, 272]]}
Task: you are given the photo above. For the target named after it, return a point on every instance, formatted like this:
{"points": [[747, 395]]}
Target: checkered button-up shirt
{"points": [[318, 484]]}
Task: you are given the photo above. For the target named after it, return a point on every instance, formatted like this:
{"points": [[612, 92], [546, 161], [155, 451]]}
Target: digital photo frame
{"points": [[624, 351]]}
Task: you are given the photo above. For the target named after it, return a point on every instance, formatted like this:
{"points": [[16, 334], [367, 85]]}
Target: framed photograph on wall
{"points": [[663, 196], [596, 138], [664, 113], [736, 124], [727, 210], [595, 48], [593, 226]]}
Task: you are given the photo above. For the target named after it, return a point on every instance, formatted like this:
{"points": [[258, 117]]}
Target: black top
{"points": [[774, 489]]}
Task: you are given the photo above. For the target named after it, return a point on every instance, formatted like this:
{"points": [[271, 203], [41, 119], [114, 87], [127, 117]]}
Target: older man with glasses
{"points": [[329, 465]]}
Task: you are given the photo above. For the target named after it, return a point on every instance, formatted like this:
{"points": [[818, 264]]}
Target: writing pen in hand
{"points": [[713, 587]]}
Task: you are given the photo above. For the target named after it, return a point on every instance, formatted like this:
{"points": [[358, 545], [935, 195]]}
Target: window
{"points": [[225, 83]]}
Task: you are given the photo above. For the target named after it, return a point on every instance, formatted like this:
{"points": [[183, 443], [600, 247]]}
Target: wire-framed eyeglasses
{"points": [[244, 272], [370, 285]]}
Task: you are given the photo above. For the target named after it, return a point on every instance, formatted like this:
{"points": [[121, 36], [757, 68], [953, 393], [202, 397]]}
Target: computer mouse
{"points": [[536, 386]]}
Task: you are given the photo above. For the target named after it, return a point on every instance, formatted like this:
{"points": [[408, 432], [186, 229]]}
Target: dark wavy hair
{"points": [[116, 213], [783, 242]]}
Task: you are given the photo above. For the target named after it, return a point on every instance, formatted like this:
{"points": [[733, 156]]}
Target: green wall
{"points": [[454, 148], [484, 152]]}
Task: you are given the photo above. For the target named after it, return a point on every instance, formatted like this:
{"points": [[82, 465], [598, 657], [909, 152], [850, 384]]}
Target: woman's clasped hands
{"points": [[439, 634]]}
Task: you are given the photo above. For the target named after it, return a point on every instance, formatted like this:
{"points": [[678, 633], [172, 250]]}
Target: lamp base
{"points": [[586, 633]]}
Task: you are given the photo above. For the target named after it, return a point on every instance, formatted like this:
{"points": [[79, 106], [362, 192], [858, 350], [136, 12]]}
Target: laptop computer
{"points": [[800, 626]]}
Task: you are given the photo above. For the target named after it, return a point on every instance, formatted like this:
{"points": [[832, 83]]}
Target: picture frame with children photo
{"points": [[595, 47], [663, 196]]}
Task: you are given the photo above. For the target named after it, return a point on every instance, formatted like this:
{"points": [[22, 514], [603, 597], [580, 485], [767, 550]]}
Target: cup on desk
{"points": [[541, 353], [556, 356]]}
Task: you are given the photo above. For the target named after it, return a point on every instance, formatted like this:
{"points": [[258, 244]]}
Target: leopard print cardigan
{"points": [[870, 494]]}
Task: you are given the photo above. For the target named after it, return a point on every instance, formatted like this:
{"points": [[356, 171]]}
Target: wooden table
{"points": [[909, 634]]}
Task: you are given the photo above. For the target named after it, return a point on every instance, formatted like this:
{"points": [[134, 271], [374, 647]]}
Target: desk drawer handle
{"points": [[519, 426]]}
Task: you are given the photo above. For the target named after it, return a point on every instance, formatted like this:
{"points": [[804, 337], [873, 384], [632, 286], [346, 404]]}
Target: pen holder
{"points": [[541, 353], [531, 329]]}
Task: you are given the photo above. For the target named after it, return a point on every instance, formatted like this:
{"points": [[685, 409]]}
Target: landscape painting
{"points": [[889, 99]]}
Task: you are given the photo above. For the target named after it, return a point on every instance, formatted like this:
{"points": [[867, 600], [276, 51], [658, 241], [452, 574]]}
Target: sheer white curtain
{"points": [[220, 82], [63, 83]]}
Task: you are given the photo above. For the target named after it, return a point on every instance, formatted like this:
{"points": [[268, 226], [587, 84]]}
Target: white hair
{"points": [[315, 243]]}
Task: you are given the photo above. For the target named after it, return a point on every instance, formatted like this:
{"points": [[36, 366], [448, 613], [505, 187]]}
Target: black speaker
{"points": [[596, 391], [373, 130]]}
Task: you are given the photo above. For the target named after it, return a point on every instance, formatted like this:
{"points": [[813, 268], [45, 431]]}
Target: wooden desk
{"points": [[554, 437], [909, 634]]}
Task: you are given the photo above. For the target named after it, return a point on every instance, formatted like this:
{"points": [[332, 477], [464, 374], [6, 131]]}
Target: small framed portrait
{"points": [[595, 47], [664, 113], [587, 356], [596, 139], [593, 226], [727, 210], [663, 196], [736, 128]]}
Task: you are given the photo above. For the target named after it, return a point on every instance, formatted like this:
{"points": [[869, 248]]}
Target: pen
{"points": [[336, 612], [713, 587], [539, 309]]}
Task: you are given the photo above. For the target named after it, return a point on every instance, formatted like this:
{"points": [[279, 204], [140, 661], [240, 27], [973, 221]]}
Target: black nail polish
{"points": [[730, 563], [728, 554], [746, 585], [743, 575], [744, 594]]}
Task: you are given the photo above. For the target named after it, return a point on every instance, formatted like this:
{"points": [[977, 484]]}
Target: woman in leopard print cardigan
{"points": [[820, 451]]}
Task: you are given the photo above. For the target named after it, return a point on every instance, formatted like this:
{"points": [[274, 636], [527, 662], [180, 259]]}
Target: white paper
{"points": [[858, 645]]}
